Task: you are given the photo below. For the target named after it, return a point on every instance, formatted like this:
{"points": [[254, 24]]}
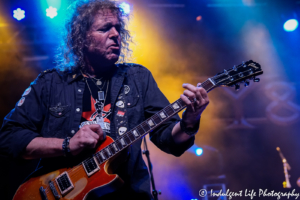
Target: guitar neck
{"points": [[145, 127]]}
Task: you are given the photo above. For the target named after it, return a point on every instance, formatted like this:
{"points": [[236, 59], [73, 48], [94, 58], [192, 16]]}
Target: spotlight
{"points": [[290, 25], [199, 18], [199, 151], [51, 12], [125, 7], [19, 14]]}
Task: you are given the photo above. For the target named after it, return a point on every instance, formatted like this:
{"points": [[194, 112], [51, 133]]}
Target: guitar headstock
{"points": [[241, 73]]}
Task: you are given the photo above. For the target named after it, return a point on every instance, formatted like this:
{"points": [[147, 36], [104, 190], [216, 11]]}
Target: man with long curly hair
{"points": [[68, 111]]}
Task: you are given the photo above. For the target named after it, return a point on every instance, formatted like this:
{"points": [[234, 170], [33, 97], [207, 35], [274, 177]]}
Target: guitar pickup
{"points": [[64, 183], [90, 166]]}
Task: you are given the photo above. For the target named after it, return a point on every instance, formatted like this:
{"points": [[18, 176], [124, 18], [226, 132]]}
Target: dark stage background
{"points": [[190, 41]]}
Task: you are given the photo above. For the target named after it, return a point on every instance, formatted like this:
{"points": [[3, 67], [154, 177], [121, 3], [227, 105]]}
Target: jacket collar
{"points": [[72, 76], [76, 75]]}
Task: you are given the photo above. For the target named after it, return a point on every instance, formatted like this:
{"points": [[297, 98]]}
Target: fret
{"points": [[140, 130], [112, 150], [162, 114], [207, 84], [145, 126], [150, 122], [102, 155], [180, 101], [122, 142], [175, 106], [105, 153], [115, 147], [127, 139], [99, 159], [156, 119], [131, 136], [119, 145], [108, 152], [169, 110], [135, 133]]}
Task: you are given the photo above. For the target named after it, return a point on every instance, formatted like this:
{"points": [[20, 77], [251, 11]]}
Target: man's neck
{"points": [[100, 71]]}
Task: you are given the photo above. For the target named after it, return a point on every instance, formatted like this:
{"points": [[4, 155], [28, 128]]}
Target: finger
{"points": [[189, 105], [189, 87], [96, 128], [91, 143], [204, 96], [199, 97], [191, 95], [203, 93]]}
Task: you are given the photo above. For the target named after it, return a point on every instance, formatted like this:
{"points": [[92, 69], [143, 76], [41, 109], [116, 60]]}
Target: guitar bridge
{"points": [[43, 193]]}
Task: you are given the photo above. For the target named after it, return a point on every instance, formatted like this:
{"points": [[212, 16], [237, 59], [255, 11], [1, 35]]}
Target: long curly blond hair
{"points": [[70, 55]]}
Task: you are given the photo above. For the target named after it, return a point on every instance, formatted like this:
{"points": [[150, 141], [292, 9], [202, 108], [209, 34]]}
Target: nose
{"points": [[113, 33]]}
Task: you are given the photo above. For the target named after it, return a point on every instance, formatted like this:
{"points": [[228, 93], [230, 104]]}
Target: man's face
{"points": [[105, 38]]}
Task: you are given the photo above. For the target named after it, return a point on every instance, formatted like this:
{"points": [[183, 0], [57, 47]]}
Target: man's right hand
{"points": [[87, 137]]}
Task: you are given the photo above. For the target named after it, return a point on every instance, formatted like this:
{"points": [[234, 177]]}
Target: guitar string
{"points": [[80, 167], [73, 171]]}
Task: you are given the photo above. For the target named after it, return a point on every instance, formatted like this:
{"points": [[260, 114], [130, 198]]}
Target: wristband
{"points": [[189, 131], [66, 147]]}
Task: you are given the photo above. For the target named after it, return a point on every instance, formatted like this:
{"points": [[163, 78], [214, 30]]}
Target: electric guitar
{"points": [[94, 175]]}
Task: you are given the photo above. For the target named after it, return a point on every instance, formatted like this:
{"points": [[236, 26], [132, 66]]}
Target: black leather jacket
{"points": [[53, 107]]}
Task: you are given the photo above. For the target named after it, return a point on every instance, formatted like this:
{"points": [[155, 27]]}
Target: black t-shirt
{"points": [[92, 107]]}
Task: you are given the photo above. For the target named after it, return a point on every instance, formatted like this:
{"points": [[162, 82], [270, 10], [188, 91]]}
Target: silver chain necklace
{"points": [[98, 81]]}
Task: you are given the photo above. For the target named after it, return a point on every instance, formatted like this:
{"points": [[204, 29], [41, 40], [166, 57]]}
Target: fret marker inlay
{"points": [[175, 106], [150, 122], [135, 133], [162, 115]]}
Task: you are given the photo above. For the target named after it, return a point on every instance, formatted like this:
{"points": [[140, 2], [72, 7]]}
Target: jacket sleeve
{"points": [[154, 101], [24, 122]]}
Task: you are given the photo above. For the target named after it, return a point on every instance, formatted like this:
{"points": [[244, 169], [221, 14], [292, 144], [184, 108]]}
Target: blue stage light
{"points": [[51, 12], [290, 25], [199, 151], [125, 7], [19, 14]]}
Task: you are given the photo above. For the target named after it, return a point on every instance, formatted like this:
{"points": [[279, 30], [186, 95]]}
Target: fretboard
{"points": [[145, 127]]}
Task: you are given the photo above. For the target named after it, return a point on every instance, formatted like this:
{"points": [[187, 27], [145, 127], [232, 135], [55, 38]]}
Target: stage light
{"points": [[19, 14], [125, 7], [199, 18], [51, 12], [199, 151], [290, 25]]}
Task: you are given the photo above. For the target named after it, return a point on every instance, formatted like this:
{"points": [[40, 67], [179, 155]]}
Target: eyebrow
{"points": [[106, 24]]}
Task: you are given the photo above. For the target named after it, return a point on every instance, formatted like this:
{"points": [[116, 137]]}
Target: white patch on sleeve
{"points": [[27, 91], [22, 100]]}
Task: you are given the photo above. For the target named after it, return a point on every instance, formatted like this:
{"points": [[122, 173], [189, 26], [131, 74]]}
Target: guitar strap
{"points": [[121, 120], [120, 114]]}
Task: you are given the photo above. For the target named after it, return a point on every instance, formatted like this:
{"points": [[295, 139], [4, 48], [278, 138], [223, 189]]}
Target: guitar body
{"points": [[98, 184], [95, 175]]}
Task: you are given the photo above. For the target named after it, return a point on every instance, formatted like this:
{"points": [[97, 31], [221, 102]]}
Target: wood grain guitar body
{"points": [[83, 185]]}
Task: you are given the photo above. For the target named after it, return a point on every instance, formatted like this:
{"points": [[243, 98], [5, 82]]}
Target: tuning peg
{"points": [[256, 79], [237, 86], [247, 83], [225, 72]]}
